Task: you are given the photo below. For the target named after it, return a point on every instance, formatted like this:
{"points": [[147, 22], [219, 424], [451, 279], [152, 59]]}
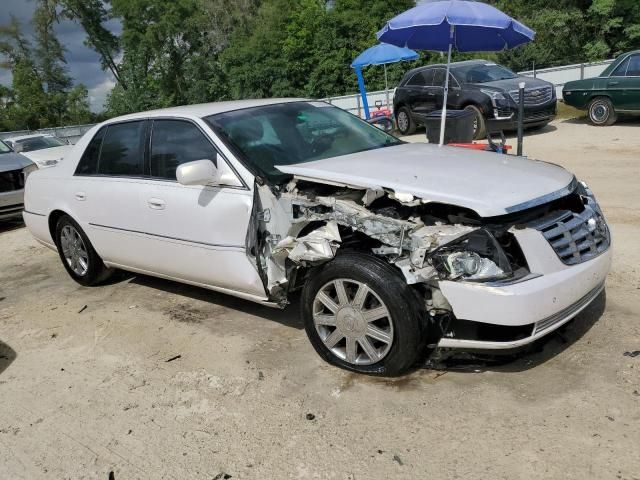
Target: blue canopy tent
{"points": [[380, 54], [467, 26]]}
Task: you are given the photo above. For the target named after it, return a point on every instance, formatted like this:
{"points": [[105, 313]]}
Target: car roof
{"points": [[477, 61], [205, 109]]}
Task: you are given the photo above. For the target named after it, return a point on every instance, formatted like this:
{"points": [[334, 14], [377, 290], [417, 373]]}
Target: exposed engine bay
{"points": [[303, 224]]}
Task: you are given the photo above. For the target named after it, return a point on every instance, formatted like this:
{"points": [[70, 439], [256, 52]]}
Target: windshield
{"points": [[483, 73], [4, 148], [37, 143], [296, 132]]}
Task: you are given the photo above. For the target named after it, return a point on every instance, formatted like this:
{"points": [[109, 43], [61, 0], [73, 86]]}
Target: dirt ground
{"points": [[145, 378]]}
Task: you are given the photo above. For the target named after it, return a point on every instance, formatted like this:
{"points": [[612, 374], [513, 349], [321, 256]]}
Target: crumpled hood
{"points": [[13, 161], [53, 153], [488, 183]]}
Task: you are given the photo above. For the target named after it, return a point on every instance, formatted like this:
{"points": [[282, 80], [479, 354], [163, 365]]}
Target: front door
{"points": [[196, 233]]}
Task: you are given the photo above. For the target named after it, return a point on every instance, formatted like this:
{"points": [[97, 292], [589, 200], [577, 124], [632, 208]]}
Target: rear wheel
{"points": [[601, 112], [360, 315], [479, 124], [406, 125], [78, 255]]}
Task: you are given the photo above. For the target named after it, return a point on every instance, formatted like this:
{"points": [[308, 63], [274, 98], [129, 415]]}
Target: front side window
{"points": [[122, 152], [634, 66], [174, 142], [438, 78], [295, 132], [37, 143]]}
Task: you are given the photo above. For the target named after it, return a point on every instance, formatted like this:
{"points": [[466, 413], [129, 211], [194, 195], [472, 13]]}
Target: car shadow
{"points": [[289, 317], [627, 120], [10, 225], [519, 361], [7, 356]]}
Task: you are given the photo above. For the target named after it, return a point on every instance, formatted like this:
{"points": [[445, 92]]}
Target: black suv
{"points": [[488, 89]]}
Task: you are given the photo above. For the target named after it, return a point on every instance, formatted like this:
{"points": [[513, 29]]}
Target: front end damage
{"points": [[437, 248]]}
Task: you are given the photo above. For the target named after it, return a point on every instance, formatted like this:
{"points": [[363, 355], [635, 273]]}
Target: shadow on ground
{"points": [[9, 225], [289, 317], [7, 356], [627, 120], [536, 354]]}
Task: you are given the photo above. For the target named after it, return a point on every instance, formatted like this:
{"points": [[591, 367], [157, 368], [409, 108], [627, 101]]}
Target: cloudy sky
{"points": [[83, 63]]}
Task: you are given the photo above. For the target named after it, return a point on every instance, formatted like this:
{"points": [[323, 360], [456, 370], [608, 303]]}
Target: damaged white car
{"points": [[397, 248]]}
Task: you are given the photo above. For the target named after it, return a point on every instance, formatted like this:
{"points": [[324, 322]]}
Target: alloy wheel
{"points": [[403, 121], [74, 250], [353, 322]]}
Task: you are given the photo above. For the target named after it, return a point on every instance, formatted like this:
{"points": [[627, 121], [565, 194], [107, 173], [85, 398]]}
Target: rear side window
{"points": [[634, 66], [122, 152], [88, 164], [174, 142], [621, 69]]}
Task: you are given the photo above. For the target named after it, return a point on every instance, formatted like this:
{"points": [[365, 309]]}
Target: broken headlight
{"points": [[476, 256]]}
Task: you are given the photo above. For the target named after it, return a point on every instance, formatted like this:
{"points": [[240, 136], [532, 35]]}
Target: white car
{"points": [[43, 150], [397, 247], [14, 169]]}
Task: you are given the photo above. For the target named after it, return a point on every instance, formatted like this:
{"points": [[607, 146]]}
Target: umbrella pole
{"points": [[386, 84], [363, 91], [446, 88]]}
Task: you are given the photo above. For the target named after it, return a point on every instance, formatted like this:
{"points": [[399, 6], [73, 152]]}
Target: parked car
{"points": [[43, 150], [489, 90], [396, 247], [14, 169], [616, 90]]}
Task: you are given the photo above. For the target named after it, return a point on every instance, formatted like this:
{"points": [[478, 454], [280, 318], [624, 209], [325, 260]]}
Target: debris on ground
{"points": [[398, 460], [173, 358], [633, 354], [310, 416], [222, 476], [82, 309], [260, 375]]}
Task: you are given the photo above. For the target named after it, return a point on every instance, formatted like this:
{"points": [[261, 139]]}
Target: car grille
{"points": [[577, 237], [533, 96], [11, 180]]}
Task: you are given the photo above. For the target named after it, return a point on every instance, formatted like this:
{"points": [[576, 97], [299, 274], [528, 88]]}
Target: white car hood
{"points": [[488, 183], [53, 153]]}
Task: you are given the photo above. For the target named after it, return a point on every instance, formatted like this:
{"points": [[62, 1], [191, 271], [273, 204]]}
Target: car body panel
{"points": [[441, 174], [11, 201]]}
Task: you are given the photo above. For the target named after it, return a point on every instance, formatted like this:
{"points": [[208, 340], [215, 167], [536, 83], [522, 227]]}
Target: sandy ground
{"points": [[86, 387]]}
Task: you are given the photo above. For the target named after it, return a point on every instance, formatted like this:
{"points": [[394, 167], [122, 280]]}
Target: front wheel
{"points": [[78, 255], [601, 112], [360, 315], [479, 123]]}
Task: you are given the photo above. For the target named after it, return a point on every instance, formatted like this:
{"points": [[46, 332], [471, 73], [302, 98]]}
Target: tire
{"points": [[370, 288], [78, 255], [405, 123], [479, 123], [601, 112]]}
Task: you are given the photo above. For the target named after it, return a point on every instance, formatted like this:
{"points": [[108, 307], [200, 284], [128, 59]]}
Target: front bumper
{"points": [[11, 205], [548, 298], [505, 117]]}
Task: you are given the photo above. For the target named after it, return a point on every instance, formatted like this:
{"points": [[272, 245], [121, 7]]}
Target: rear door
{"points": [[108, 186], [631, 84], [421, 97], [616, 86]]}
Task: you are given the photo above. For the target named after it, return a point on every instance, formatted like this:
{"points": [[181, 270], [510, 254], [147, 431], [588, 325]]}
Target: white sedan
{"points": [[42, 149], [397, 247]]}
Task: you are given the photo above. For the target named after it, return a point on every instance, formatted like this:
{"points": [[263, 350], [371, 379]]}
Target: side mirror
{"points": [[198, 172]]}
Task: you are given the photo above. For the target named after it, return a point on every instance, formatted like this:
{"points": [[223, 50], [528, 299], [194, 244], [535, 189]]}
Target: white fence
{"points": [[353, 103]]}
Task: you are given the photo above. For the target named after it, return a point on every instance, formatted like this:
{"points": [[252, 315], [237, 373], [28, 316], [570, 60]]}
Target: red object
{"points": [[478, 146], [381, 112]]}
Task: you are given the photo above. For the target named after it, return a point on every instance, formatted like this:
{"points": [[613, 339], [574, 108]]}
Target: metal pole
{"points": [[363, 92], [386, 85], [446, 88], [520, 117]]}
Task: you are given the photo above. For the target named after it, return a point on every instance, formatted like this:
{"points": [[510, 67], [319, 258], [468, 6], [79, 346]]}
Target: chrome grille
{"points": [[533, 96], [576, 237], [11, 180]]}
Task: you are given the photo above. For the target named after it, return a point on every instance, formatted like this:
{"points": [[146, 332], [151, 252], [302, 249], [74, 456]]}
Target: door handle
{"points": [[156, 203], [81, 196], [613, 83]]}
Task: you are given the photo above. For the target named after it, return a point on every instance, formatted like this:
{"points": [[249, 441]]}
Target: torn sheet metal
{"points": [[319, 245]]}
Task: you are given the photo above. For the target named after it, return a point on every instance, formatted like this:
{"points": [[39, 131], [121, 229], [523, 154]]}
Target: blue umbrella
{"points": [[467, 26], [380, 54]]}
